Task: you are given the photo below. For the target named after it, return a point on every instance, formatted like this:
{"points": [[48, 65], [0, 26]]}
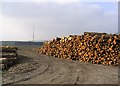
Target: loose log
{"points": [[8, 55]]}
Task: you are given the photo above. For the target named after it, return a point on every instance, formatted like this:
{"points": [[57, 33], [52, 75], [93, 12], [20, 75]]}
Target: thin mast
{"points": [[33, 38]]}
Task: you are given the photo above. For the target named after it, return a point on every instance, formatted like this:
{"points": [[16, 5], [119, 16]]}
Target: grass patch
{"points": [[2, 73]]}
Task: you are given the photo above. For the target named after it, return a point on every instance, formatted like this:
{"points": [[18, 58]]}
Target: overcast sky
{"points": [[51, 19]]}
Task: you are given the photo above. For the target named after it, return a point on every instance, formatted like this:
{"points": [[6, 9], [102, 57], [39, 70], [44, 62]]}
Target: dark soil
{"points": [[33, 68]]}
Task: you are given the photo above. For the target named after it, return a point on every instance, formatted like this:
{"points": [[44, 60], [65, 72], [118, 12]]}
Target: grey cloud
{"points": [[51, 20]]}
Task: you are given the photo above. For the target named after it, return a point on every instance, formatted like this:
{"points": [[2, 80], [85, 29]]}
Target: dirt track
{"points": [[33, 68]]}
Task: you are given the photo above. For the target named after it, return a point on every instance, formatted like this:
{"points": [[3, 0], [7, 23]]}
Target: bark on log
{"points": [[97, 48]]}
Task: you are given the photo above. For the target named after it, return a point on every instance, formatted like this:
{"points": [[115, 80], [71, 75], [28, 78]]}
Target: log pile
{"points": [[96, 48], [8, 55]]}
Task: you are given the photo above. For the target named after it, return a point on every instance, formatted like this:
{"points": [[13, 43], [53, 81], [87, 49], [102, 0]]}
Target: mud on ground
{"points": [[33, 68]]}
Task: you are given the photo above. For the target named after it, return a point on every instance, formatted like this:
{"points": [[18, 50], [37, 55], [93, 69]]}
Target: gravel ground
{"points": [[33, 68]]}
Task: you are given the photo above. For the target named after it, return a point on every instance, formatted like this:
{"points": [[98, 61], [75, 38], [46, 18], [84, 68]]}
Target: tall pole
{"points": [[33, 38]]}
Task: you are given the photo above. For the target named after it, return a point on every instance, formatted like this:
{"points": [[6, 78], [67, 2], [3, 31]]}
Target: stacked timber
{"points": [[8, 55], [96, 48]]}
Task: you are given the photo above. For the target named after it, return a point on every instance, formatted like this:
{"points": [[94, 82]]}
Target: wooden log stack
{"points": [[96, 48], [8, 56]]}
